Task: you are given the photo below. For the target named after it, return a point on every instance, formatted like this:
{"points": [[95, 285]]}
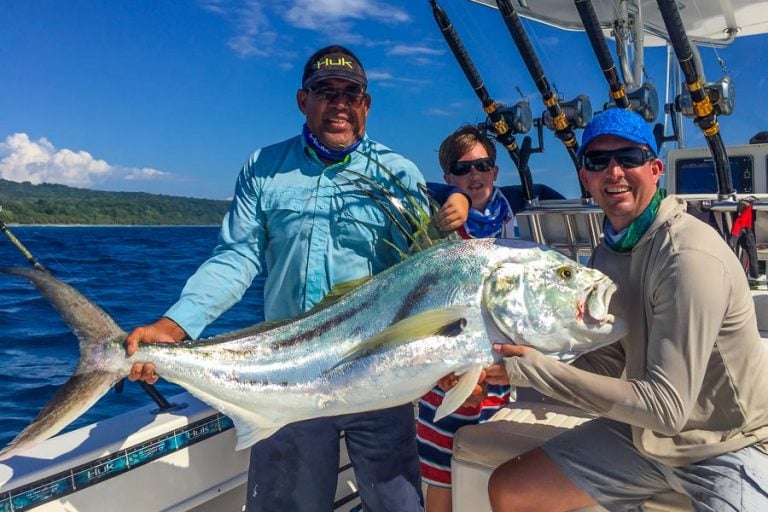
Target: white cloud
{"points": [[255, 35], [375, 75], [215, 6], [382, 77], [438, 112], [39, 161], [256, 22], [324, 15], [402, 49]]}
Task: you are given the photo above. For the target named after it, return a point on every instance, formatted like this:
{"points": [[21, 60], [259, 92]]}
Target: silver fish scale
{"points": [[447, 275]]}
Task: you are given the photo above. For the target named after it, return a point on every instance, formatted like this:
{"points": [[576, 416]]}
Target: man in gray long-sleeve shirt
{"points": [[682, 399]]}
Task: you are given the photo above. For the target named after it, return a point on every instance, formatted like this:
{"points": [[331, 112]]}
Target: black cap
{"points": [[333, 62]]}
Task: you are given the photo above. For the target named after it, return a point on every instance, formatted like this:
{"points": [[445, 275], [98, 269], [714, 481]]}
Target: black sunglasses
{"points": [[352, 96], [463, 167], [628, 158]]}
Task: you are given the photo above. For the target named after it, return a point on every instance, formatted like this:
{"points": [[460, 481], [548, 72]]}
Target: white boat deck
{"points": [[172, 461]]}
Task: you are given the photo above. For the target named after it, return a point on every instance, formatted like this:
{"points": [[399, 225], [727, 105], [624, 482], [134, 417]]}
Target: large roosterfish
{"points": [[383, 344]]}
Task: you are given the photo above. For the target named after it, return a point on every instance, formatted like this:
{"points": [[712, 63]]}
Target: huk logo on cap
{"points": [[331, 63]]}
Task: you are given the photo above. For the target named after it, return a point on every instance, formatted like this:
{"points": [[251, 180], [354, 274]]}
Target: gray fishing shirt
{"points": [[691, 376]]}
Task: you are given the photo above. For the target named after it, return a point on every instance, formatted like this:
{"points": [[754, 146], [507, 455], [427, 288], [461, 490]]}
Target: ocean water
{"points": [[134, 273]]}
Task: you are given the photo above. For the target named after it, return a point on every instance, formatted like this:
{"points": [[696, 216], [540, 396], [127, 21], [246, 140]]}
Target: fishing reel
{"points": [[578, 112], [644, 100], [721, 94], [518, 118]]}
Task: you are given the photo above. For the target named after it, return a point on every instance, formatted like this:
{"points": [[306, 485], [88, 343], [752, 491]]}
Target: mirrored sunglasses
{"points": [[463, 167], [352, 96], [596, 161]]}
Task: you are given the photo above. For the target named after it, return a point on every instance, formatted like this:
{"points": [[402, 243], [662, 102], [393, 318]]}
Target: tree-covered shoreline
{"points": [[25, 203]]}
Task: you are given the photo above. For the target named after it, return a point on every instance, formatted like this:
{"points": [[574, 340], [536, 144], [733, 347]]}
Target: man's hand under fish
{"points": [[512, 355], [495, 374], [164, 330]]}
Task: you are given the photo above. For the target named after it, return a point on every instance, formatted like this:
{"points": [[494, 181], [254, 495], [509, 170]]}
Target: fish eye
{"points": [[565, 272]]}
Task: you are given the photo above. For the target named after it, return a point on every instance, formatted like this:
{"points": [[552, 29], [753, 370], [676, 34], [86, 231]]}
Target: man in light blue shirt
{"points": [[298, 220]]}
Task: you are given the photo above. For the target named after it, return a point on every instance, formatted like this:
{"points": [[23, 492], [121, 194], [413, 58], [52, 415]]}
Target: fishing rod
{"points": [[644, 100], [559, 121], [596, 38], [28, 255], [24, 251], [705, 113], [501, 128]]}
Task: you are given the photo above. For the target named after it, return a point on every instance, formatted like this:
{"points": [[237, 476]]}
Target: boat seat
{"points": [[514, 430]]}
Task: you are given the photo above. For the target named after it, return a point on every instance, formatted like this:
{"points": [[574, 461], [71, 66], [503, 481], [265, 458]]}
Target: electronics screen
{"points": [[697, 175]]}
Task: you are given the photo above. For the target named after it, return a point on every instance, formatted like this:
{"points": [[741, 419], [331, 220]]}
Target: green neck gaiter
{"points": [[639, 226]]}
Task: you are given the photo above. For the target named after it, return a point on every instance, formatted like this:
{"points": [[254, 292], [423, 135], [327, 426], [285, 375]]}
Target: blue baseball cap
{"points": [[620, 123]]}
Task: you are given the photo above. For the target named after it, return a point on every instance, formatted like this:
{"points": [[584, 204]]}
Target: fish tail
{"points": [[99, 368], [70, 401]]}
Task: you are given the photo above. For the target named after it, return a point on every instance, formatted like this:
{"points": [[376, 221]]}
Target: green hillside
{"points": [[24, 203]]}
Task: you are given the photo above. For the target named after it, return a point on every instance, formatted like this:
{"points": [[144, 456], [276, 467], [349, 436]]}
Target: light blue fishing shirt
{"points": [[301, 225]]}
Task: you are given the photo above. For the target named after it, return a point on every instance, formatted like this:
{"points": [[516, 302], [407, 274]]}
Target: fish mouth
{"points": [[594, 310]]}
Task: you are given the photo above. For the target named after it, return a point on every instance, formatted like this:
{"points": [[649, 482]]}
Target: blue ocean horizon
{"points": [[134, 273]]}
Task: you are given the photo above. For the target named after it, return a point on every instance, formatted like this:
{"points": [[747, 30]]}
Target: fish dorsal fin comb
{"points": [[338, 292]]}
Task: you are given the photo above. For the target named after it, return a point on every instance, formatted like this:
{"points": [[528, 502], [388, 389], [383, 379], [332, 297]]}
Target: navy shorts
{"points": [[600, 458], [297, 468]]}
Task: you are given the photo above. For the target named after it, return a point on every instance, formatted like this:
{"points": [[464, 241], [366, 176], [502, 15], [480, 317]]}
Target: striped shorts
{"points": [[435, 440]]}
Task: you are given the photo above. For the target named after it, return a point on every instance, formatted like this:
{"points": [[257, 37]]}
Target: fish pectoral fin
{"points": [[251, 427], [449, 322], [250, 437], [459, 393]]}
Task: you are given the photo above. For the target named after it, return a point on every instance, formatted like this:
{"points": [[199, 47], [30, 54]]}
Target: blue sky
{"points": [[172, 96]]}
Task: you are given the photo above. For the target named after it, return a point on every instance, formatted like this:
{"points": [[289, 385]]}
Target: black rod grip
{"points": [[705, 115], [600, 47], [503, 133]]}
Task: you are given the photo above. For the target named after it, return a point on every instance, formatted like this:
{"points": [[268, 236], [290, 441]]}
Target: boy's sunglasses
{"points": [[628, 158], [352, 96], [463, 167]]}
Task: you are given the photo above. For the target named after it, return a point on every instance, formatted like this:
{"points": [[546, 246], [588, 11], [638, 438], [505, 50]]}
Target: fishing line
{"points": [[28, 254], [479, 35], [150, 389], [720, 61], [530, 29], [34, 261], [475, 31], [24, 251]]}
